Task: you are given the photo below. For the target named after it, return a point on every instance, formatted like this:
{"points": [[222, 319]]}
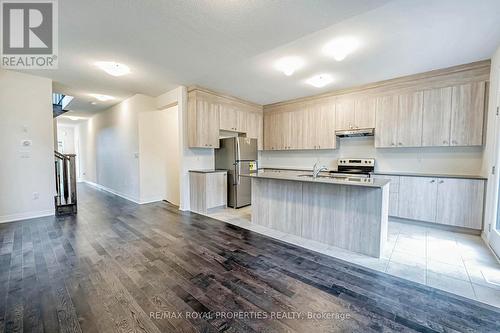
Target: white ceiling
{"points": [[230, 46]]}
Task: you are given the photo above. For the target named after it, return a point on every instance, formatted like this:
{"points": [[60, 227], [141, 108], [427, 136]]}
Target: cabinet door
{"points": [[255, 127], [324, 126], [437, 117], [272, 131], [460, 202], [344, 118], [203, 124], [467, 114], [241, 121], [410, 119], [417, 198], [228, 118], [386, 121], [290, 125], [364, 113]]}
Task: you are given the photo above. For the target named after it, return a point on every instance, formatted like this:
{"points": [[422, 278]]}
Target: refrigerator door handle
{"points": [[237, 173]]}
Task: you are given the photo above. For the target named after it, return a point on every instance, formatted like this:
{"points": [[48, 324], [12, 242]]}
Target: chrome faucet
{"points": [[317, 170]]}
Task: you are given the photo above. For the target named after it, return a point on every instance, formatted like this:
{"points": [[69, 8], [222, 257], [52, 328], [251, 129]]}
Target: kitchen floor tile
{"points": [[449, 284], [413, 273], [487, 295], [453, 271]]}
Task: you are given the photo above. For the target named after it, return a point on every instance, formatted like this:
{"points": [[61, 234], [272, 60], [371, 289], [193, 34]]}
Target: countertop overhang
{"points": [[374, 182]]}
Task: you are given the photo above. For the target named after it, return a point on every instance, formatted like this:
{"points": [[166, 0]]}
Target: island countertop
{"points": [[322, 179]]}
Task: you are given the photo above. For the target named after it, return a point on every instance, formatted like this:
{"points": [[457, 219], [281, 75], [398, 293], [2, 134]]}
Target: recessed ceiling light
{"points": [[320, 80], [113, 68], [102, 98], [93, 103], [341, 47], [74, 118], [288, 65]]}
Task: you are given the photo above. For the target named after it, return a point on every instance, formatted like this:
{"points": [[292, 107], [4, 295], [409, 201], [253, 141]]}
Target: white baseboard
{"points": [[150, 200], [122, 195], [26, 216]]}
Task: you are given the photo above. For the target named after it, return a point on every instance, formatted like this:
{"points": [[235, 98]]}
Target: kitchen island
{"points": [[350, 213]]}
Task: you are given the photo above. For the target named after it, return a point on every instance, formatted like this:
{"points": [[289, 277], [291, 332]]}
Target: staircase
{"points": [[65, 171], [59, 103]]}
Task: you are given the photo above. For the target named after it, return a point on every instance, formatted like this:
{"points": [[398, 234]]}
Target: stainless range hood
{"points": [[358, 132]]}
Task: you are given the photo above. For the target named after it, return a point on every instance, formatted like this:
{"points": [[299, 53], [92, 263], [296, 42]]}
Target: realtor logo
{"points": [[29, 34]]}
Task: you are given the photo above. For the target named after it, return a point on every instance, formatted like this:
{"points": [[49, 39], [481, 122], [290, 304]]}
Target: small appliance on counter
{"points": [[358, 167], [238, 156]]}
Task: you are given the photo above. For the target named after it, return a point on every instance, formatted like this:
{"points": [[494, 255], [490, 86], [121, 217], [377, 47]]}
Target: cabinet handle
{"points": [[433, 181], [400, 144], [441, 181], [393, 144], [454, 142], [445, 142]]}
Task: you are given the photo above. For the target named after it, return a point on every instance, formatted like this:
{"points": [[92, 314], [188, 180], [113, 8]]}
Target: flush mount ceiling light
{"points": [[113, 68], [320, 80], [341, 47], [102, 98], [288, 65]]}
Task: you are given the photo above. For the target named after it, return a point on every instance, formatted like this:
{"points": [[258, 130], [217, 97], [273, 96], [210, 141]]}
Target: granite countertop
{"points": [[209, 171], [432, 175], [391, 173], [322, 179]]}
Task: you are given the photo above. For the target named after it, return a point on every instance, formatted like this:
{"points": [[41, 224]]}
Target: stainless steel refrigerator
{"points": [[238, 156]]}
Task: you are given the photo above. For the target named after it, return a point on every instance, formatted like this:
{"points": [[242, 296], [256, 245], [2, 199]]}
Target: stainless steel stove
{"points": [[355, 168]]}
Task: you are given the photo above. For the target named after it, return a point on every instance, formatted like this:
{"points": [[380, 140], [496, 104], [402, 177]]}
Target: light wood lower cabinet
{"points": [[449, 201], [417, 198], [460, 202], [207, 190]]}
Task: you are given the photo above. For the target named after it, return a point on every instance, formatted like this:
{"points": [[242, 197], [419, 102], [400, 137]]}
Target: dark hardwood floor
{"points": [[121, 267]]}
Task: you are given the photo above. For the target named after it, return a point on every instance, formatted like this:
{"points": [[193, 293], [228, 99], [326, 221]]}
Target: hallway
{"points": [[119, 266]]}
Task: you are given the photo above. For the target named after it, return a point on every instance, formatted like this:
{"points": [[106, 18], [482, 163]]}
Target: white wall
{"points": [[463, 161], [26, 114], [172, 148], [111, 147], [153, 140], [190, 158], [66, 135], [491, 149]]}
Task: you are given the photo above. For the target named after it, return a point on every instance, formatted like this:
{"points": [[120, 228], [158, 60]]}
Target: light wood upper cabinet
{"points": [[364, 112], [203, 120], [410, 116], [386, 132], [460, 202], [255, 128], [320, 124], [467, 114], [417, 198], [437, 117], [232, 118], [355, 113], [228, 118], [345, 117], [273, 131]]}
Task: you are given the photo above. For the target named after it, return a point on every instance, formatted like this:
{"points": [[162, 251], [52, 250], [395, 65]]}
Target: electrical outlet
{"points": [[36, 195]]}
